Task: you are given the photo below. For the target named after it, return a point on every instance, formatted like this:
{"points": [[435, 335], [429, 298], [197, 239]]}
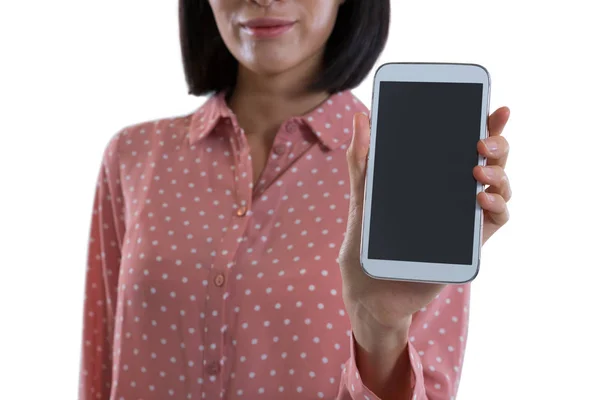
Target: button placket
{"points": [[224, 261]]}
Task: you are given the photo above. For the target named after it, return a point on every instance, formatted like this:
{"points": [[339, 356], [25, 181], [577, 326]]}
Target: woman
{"points": [[213, 263]]}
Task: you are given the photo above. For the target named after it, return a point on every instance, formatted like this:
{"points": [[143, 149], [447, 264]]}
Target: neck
{"points": [[262, 103]]}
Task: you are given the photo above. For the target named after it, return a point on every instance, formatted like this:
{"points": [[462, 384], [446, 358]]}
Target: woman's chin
{"points": [[269, 67]]}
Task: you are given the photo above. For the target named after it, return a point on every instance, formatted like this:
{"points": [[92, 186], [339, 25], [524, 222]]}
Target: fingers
{"points": [[495, 149], [497, 121], [496, 177], [493, 200], [494, 207]]}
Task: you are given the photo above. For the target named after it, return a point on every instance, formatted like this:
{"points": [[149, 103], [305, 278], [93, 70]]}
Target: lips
{"points": [[267, 27]]}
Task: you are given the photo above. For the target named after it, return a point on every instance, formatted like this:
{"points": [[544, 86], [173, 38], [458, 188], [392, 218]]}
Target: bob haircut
{"points": [[357, 40]]}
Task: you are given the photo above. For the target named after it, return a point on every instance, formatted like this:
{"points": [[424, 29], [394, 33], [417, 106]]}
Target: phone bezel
{"points": [[410, 270]]}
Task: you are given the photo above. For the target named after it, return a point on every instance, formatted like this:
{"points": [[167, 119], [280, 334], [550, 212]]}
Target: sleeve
{"points": [[437, 340], [101, 280]]}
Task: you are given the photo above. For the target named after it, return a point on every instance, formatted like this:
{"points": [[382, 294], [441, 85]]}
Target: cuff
{"points": [[353, 387]]}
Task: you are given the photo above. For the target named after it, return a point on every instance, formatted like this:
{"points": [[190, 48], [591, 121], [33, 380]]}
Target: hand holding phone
{"points": [[421, 220], [401, 290]]}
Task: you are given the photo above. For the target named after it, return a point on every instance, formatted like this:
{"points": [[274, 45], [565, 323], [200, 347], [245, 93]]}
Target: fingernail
{"points": [[490, 197]]}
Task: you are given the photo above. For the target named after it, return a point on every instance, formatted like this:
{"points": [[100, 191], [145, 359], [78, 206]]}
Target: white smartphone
{"points": [[421, 219]]}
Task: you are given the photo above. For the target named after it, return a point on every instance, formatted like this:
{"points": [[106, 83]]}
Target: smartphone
{"points": [[421, 219]]}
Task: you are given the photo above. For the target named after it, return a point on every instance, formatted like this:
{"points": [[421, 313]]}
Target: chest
{"points": [[193, 216]]}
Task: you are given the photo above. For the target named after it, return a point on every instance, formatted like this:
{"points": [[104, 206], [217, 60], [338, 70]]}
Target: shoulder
{"points": [[347, 101], [134, 141]]}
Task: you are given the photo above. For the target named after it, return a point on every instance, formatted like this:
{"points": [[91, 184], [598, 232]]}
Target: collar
{"points": [[330, 122]]}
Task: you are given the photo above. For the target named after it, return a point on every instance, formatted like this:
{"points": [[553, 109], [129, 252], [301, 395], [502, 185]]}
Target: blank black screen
{"points": [[424, 192]]}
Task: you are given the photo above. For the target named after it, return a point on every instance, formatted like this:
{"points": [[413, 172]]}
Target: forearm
{"points": [[383, 361]]}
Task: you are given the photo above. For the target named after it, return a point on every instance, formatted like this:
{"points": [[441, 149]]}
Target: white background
{"points": [[73, 73]]}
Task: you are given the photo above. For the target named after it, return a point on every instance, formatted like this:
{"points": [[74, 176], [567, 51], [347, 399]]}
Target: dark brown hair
{"points": [[357, 40]]}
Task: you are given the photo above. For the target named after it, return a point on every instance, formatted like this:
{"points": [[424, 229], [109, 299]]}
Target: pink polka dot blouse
{"points": [[201, 285]]}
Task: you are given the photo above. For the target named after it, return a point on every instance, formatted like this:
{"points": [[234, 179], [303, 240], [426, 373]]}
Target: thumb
{"points": [[357, 157], [357, 162]]}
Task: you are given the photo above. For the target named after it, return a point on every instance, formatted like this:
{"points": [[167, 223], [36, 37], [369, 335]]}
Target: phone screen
{"points": [[424, 193]]}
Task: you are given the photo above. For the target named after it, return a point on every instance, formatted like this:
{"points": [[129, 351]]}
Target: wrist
{"points": [[382, 359], [382, 342], [376, 338]]}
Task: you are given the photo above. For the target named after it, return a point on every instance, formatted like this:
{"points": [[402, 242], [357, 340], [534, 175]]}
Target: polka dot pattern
{"points": [[202, 285]]}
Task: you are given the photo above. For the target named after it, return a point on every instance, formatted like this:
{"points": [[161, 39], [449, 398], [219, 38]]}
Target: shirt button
{"points": [[219, 280], [242, 211], [279, 149], [290, 127], [213, 368]]}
